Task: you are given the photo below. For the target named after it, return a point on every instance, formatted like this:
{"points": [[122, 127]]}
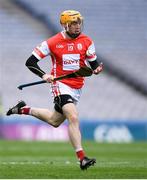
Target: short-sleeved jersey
{"points": [[67, 55]]}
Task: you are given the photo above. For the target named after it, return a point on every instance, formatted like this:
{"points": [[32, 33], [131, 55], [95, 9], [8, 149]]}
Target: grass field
{"points": [[40, 160]]}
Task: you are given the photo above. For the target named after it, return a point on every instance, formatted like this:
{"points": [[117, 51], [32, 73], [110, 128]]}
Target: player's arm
{"points": [[96, 66], [39, 53], [32, 64]]}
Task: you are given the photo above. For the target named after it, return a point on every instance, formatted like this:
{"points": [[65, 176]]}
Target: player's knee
{"points": [[73, 119], [57, 123], [54, 124]]}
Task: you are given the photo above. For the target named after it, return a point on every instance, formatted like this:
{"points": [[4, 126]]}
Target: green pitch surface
{"points": [[43, 160]]}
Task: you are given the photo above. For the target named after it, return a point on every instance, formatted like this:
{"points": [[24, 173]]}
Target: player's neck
{"points": [[67, 36]]}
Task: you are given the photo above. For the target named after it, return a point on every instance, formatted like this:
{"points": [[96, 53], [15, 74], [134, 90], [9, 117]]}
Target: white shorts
{"points": [[59, 88]]}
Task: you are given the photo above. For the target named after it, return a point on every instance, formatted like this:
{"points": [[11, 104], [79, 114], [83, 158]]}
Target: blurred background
{"points": [[113, 106]]}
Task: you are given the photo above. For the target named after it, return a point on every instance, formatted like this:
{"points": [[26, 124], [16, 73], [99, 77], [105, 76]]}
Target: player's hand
{"points": [[48, 78], [99, 69]]}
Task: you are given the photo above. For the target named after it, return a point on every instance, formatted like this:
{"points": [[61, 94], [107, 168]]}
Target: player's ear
{"points": [[64, 26]]}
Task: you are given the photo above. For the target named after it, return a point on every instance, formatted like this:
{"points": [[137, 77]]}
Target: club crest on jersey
{"points": [[70, 47], [79, 46]]}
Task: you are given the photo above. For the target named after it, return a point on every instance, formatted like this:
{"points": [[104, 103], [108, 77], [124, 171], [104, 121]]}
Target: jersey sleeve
{"points": [[90, 53], [41, 51]]}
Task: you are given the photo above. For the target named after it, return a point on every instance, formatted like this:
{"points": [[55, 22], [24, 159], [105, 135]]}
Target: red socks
{"points": [[25, 110], [80, 154]]}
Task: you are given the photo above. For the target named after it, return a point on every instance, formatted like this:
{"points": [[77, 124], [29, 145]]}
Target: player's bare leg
{"points": [[51, 117], [71, 114]]}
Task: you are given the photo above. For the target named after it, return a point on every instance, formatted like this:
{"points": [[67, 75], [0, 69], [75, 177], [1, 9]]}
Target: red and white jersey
{"points": [[67, 55]]}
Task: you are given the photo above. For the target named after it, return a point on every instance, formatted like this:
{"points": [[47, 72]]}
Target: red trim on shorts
{"points": [[55, 89]]}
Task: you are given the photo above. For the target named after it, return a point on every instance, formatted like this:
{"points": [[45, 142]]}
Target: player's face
{"points": [[75, 27]]}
